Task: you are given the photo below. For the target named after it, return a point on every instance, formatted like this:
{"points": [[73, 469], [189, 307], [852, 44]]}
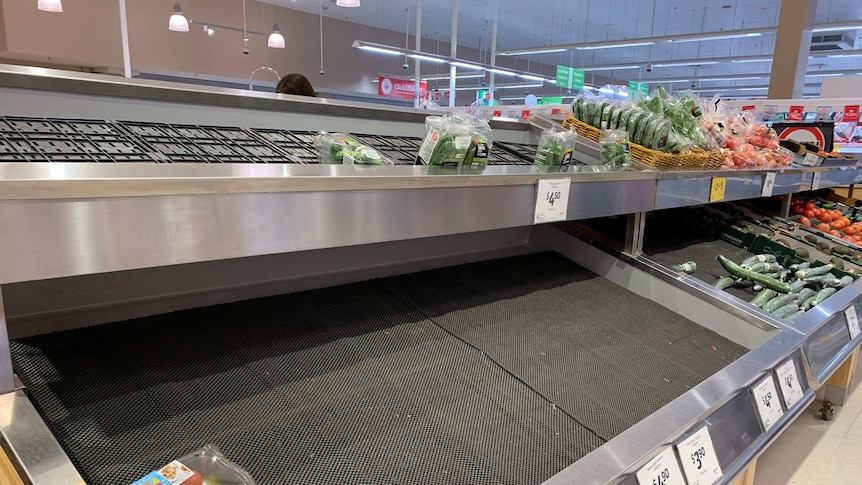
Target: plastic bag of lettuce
{"points": [[456, 140], [339, 148], [556, 148]]}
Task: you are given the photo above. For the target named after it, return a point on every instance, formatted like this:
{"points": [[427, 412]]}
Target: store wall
{"points": [[87, 34], [842, 87]]}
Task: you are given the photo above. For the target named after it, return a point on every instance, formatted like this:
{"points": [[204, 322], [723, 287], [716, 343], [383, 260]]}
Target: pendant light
{"points": [[51, 5], [276, 40], [347, 3], [178, 22]]}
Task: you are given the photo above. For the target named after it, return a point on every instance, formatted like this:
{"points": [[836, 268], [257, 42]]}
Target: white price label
{"points": [[552, 200], [815, 181], [698, 458], [766, 396], [852, 321], [788, 380], [661, 470], [811, 160], [768, 185], [462, 142]]}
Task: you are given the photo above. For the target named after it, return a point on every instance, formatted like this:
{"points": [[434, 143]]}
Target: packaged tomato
{"points": [[206, 466]]}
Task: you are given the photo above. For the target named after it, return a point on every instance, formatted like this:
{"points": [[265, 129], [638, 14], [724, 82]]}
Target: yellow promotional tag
{"points": [[716, 191]]}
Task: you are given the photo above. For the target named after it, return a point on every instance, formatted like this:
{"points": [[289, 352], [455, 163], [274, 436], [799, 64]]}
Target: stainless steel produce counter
{"points": [[170, 208]]}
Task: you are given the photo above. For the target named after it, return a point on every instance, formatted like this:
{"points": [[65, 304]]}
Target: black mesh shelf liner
{"points": [[529, 364]]}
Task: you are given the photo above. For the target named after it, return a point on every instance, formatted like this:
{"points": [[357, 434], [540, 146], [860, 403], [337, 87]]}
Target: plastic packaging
{"points": [[556, 148], [206, 466], [456, 140], [616, 152], [339, 148]]}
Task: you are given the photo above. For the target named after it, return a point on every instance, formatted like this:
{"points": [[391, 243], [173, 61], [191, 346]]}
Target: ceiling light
{"points": [[50, 5], [379, 50], [832, 74], [715, 37], [835, 56], [531, 77], [551, 81], [276, 40], [747, 89], [517, 86], [347, 3], [178, 22], [759, 59], [426, 58], [500, 71], [749, 78], [608, 68], [837, 28], [612, 46], [683, 64], [445, 77], [537, 51], [465, 65]]}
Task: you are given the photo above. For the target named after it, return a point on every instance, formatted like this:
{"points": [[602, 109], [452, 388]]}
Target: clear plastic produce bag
{"points": [[456, 140], [215, 468], [339, 148], [556, 148], [616, 152]]}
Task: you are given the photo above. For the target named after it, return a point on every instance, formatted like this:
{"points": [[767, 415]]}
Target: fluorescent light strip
{"points": [[743, 61], [837, 28], [612, 46], [446, 77], [502, 72], [716, 37], [683, 64], [508, 86], [837, 56], [466, 66], [537, 51], [609, 68], [750, 78], [531, 77], [833, 74], [379, 50], [427, 58]]}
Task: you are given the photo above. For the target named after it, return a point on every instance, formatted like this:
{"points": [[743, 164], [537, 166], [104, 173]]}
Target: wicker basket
{"points": [[696, 159]]}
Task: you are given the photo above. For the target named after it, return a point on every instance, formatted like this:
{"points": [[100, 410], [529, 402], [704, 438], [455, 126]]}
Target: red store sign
{"points": [[394, 87], [851, 113]]}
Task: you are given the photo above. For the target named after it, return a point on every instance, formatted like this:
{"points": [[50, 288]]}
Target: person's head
{"points": [[296, 84]]}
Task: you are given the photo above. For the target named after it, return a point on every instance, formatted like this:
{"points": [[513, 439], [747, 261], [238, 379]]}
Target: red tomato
{"points": [[809, 206], [835, 233], [798, 210], [817, 212], [850, 231], [825, 217], [823, 227], [837, 225], [809, 214], [805, 221]]}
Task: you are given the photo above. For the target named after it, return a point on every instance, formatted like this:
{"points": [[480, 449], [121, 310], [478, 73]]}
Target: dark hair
{"points": [[295, 84]]}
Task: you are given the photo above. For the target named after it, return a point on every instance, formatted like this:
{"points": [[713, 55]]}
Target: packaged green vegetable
{"points": [[556, 148], [339, 148], [456, 140], [615, 149]]}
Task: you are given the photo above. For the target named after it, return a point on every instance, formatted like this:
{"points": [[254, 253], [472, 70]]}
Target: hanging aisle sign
{"points": [[394, 87], [638, 89], [570, 78]]}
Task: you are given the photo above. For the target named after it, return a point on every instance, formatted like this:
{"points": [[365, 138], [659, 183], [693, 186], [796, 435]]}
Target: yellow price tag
{"points": [[716, 191]]}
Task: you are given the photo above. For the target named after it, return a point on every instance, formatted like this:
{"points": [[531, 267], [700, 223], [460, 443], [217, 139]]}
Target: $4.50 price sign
{"points": [[661, 470], [699, 459], [552, 200], [788, 380], [766, 398]]}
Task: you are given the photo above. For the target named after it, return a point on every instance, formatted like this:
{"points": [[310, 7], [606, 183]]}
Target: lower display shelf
{"points": [[503, 371]]}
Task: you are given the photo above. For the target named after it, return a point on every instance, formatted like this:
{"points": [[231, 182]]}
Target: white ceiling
{"points": [[534, 23]]}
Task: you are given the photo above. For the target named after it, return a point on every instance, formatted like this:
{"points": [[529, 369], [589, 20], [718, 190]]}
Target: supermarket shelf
{"points": [[684, 189]]}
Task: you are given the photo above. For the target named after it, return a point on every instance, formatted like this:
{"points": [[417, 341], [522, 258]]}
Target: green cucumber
{"points": [[805, 294], [780, 301], [797, 286], [786, 310], [823, 280], [688, 267], [808, 303], [795, 316], [797, 267], [763, 297], [740, 272], [822, 295], [723, 283], [846, 281], [760, 258], [818, 271]]}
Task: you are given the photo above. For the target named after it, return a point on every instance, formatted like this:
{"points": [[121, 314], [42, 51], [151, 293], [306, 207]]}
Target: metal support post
{"points": [[785, 205], [492, 79], [635, 234], [7, 375], [453, 71], [124, 34], [417, 95]]}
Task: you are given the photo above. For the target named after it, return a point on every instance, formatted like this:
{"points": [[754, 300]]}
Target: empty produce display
{"points": [[503, 371]]}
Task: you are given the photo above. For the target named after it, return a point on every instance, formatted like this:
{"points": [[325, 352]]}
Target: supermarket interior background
{"points": [[430, 241]]}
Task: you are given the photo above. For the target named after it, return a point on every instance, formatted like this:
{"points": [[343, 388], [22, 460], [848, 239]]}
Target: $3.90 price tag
{"points": [[552, 200], [768, 185], [852, 321], [661, 470], [766, 397], [698, 458], [788, 380], [815, 181], [717, 188]]}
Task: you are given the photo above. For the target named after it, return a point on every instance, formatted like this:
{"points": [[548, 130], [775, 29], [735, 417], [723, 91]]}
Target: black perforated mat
{"points": [[529, 364]]}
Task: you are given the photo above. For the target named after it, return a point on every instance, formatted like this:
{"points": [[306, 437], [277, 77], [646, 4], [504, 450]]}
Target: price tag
{"points": [[766, 397], [698, 458], [788, 379], [852, 321], [768, 185], [717, 188], [552, 200], [661, 470], [811, 160], [815, 181]]}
